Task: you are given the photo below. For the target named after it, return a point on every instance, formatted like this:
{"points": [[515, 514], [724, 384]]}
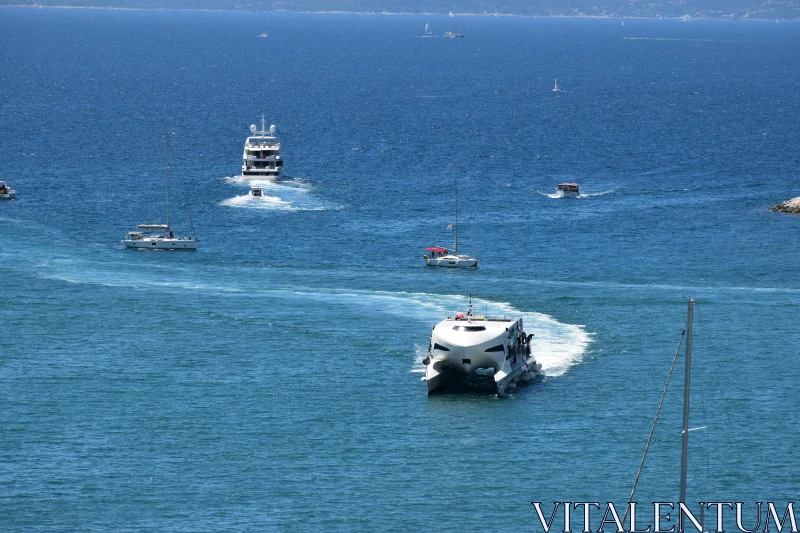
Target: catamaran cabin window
{"points": [[469, 328]]}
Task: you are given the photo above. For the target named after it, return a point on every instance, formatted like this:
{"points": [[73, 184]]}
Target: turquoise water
{"points": [[271, 380]]}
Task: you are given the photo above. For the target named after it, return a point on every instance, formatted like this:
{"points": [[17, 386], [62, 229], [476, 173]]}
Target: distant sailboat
{"points": [[450, 14], [557, 89], [428, 29], [456, 34]]}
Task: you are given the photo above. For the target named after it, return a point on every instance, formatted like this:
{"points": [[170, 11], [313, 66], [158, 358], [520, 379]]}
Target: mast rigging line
{"points": [[653, 428]]}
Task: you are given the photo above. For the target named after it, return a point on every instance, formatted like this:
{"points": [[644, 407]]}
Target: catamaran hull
{"points": [[161, 244], [452, 263], [524, 370]]}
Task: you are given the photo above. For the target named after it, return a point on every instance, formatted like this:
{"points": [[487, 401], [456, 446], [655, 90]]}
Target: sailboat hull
{"points": [[450, 261], [151, 243]]}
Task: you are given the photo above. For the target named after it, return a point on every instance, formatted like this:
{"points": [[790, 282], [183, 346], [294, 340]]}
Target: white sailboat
{"points": [[556, 88], [161, 236], [443, 257], [428, 31]]}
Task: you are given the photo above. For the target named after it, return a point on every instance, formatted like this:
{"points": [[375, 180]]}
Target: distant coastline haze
{"points": [[688, 9]]}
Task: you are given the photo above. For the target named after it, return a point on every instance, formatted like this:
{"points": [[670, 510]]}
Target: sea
{"points": [[271, 380]]}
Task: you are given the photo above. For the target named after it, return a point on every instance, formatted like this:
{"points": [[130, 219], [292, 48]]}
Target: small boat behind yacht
{"points": [[568, 190], [462, 344], [6, 192], [256, 191]]}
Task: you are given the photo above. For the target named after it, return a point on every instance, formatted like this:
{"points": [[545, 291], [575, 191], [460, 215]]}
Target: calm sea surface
{"points": [[271, 380]]}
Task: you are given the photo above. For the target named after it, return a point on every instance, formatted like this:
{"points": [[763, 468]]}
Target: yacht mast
{"points": [[166, 171], [686, 386], [456, 241]]}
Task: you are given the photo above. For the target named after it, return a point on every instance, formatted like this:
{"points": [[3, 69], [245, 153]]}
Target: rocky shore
{"points": [[789, 206]]}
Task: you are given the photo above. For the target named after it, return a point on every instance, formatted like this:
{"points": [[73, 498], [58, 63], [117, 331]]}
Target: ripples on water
{"points": [[270, 380]]}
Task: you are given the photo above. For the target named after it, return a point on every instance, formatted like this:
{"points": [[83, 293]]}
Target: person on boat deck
{"points": [[171, 236]]}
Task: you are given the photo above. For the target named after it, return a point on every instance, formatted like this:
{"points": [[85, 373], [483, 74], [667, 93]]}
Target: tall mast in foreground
{"points": [[686, 389]]}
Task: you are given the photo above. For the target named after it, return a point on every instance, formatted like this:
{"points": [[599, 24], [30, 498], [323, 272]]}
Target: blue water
{"points": [[271, 380]]}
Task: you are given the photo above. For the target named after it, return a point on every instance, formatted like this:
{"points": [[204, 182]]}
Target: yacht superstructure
{"points": [[462, 344], [262, 158]]}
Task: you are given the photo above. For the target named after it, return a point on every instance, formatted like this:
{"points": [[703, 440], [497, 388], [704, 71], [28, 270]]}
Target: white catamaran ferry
{"points": [[262, 154], [463, 344]]}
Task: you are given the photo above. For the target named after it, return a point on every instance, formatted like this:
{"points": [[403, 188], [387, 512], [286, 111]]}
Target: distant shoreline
{"points": [[395, 13]]}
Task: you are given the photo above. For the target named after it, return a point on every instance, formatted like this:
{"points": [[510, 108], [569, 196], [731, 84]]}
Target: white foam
{"points": [[283, 195], [258, 202], [556, 345], [582, 195]]}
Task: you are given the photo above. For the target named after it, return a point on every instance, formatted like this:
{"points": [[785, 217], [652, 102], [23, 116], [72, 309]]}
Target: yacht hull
{"points": [[161, 244], [261, 176], [10, 195]]}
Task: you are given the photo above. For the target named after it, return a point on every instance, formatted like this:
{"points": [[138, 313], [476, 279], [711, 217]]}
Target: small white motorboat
{"points": [[464, 343], [568, 190], [6, 192]]}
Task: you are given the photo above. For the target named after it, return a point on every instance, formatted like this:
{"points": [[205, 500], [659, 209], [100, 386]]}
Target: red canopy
{"points": [[437, 249]]}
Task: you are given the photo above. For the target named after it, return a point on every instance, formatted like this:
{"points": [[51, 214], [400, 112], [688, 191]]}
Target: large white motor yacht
{"points": [[262, 158], [462, 344]]}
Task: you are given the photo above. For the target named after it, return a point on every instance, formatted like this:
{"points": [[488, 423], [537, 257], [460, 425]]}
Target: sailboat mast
{"points": [[166, 172], [686, 387], [456, 242]]}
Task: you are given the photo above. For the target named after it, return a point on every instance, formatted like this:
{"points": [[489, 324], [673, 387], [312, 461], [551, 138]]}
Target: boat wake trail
{"points": [[582, 195], [284, 195], [556, 345]]}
